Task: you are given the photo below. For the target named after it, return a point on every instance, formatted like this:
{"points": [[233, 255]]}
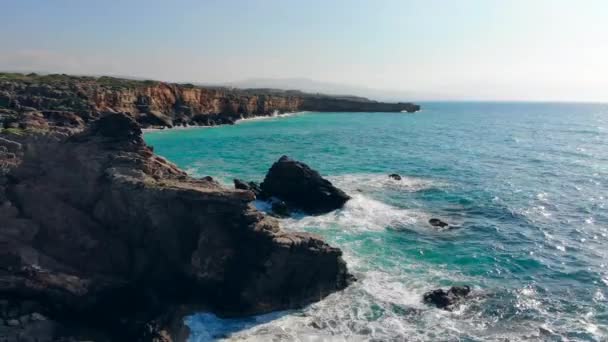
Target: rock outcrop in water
{"points": [[394, 176], [435, 222], [302, 187], [250, 186], [99, 234], [447, 299], [30, 101]]}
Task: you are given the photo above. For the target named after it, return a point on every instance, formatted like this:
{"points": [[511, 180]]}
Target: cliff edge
{"points": [[74, 100]]}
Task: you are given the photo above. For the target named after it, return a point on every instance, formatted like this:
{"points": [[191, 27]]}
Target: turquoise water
{"points": [[526, 184]]}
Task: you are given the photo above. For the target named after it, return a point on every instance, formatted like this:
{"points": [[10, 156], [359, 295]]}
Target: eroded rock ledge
{"points": [[99, 234]]}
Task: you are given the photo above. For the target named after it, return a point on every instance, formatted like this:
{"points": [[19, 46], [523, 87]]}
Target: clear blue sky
{"points": [[468, 49]]}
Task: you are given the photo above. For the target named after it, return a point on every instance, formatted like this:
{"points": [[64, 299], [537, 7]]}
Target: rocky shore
{"points": [[103, 240], [100, 239], [32, 100]]}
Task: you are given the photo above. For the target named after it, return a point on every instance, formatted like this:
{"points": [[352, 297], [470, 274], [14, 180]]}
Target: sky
{"points": [[541, 50]]}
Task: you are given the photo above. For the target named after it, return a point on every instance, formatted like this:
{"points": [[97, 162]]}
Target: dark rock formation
{"points": [[302, 187], [326, 103], [250, 186], [99, 234], [72, 101], [446, 299], [394, 176], [280, 209], [435, 222], [241, 185]]}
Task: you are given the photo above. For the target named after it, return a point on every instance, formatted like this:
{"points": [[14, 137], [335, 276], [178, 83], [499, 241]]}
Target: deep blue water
{"points": [[525, 182]]}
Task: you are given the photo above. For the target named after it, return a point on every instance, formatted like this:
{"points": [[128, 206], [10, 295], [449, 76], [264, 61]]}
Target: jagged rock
{"points": [[9, 145], [446, 299], [435, 222], [9, 151], [302, 187], [250, 186], [394, 176], [257, 190], [241, 185], [114, 236], [33, 120], [280, 209], [64, 119], [117, 125]]}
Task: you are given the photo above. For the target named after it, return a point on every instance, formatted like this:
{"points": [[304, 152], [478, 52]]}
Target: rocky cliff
{"points": [[101, 237], [75, 100]]}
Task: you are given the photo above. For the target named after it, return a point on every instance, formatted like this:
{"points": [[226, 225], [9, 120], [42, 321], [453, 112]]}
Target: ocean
{"points": [[524, 184]]}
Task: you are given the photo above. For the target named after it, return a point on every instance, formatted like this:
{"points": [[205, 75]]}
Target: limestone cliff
{"points": [[159, 104]]}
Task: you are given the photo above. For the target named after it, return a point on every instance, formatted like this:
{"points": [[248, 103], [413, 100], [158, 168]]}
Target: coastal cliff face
{"points": [[170, 104], [157, 104], [99, 232]]}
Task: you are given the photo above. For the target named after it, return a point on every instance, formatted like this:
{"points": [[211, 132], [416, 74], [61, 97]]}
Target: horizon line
{"points": [[225, 85]]}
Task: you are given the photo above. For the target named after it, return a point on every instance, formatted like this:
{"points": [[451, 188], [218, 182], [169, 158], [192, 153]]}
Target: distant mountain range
{"points": [[329, 88]]}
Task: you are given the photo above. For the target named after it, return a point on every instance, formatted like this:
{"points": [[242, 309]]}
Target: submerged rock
{"points": [[280, 209], [302, 187], [445, 299], [97, 230], [435, 222], [394, 176]]}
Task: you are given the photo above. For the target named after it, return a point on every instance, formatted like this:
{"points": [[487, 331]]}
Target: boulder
{"points": [[446, 299], [302, 187], [394, 176]]}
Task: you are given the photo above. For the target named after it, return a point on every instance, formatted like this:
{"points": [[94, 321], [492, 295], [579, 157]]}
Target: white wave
{"points": [[179, 127], [366, 183], [360, 213], [254, 118], [386, 301], [379, 306], [275, 115], [193, 171]]}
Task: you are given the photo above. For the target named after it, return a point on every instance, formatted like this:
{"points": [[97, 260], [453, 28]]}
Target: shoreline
{"points": [[252, 118]]}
